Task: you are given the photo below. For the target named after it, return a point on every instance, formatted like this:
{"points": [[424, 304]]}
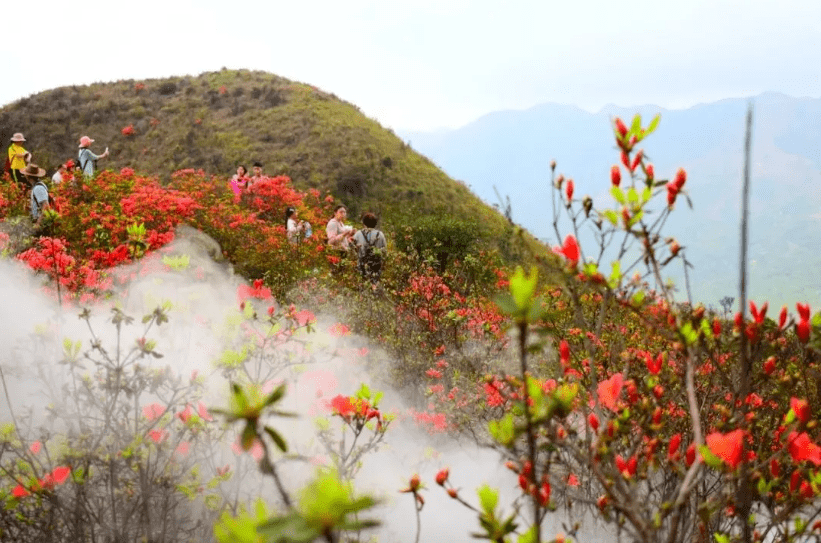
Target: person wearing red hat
{"points": [[88, 160], [18, 158]]}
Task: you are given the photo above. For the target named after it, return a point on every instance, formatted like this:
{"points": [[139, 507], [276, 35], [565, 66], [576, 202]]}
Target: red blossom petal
{"points": [[728, 447], [610, 390]]}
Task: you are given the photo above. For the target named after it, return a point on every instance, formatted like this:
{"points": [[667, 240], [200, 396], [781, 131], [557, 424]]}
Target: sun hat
{"points": [[85, 141], [18, 136], [33, 170]]}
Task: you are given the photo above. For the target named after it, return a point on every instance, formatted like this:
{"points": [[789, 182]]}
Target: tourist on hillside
{"points": [[18, 158], [296, 229], [239, 182], [258, 176], [371, 246], [33, 175], [87, 159], [339, 234]]}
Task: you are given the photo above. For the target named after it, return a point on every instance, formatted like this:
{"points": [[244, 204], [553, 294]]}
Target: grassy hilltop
{"points": [[218, 120]]}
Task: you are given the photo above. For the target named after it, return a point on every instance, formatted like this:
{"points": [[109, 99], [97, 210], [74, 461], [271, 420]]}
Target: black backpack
{"points": [[370, 261]]}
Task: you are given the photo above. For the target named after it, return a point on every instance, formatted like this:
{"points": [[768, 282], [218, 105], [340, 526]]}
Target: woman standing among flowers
{"points": [[88, 160], [239, 182]]}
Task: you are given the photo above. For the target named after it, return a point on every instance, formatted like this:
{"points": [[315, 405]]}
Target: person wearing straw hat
{"points": [[88, 160], [39, 192], [18, 158]]}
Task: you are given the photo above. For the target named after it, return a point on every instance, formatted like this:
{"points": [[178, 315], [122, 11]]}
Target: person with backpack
{"points": [[40, 199], [87, 159], [371, 245], [17, 159]]}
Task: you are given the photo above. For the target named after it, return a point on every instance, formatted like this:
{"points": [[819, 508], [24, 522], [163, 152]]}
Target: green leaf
{"points": [[646, 194], [522, 288], [276, 395], [635, 128], [488, 499], [528, 537], [721, 538], [653, 125], [638, 298], [291, 528], [503, 431], [611, 216], [615, 275], [632, 195], [248, 435], [709, 458], [618, 194], [636, 218], [280, 443]]}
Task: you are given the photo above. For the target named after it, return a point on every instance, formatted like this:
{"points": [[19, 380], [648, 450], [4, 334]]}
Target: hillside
{"points": [[218, 120], [511, 150]]}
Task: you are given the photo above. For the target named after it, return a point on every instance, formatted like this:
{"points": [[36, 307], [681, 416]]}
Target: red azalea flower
{"points": [[654, 366], [610, 390], [802, 448], [593, 420], [564, 352], [728, 447], [570, 250], [801, 408], [758, 316], [803, 311]]}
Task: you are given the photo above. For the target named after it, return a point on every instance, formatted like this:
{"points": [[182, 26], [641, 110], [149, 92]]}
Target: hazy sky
{"points": [[422, 64]]}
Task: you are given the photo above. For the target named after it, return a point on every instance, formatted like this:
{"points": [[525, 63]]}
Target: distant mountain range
{"points": [[511, 150]]}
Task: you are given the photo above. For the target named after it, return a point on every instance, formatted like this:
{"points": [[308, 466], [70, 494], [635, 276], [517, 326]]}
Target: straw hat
{"points": [[33, 170], [18, 137], [85, 141]]}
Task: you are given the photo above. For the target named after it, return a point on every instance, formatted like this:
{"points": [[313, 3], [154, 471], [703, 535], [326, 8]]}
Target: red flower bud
{"points": [[615, 175], [636, 160], [569, 189], [680, 179], [672, 192], [621, 128], [658, 391], [414, 483], [782, 318], [769, 365], [625, 159], [650, 172], [593, 420], [690, 454], [775, 468], [602, 502], [453, 493], [675, 443], [802, 330], [716, 326], [442, 476], [795, 480]]}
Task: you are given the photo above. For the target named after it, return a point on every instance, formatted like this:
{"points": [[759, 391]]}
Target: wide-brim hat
{"points": [[85, 141], [33, 170], [18, 137]]}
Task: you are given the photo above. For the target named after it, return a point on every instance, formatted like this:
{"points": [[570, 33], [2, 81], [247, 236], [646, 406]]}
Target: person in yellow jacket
{"points": [[18, 158]]}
